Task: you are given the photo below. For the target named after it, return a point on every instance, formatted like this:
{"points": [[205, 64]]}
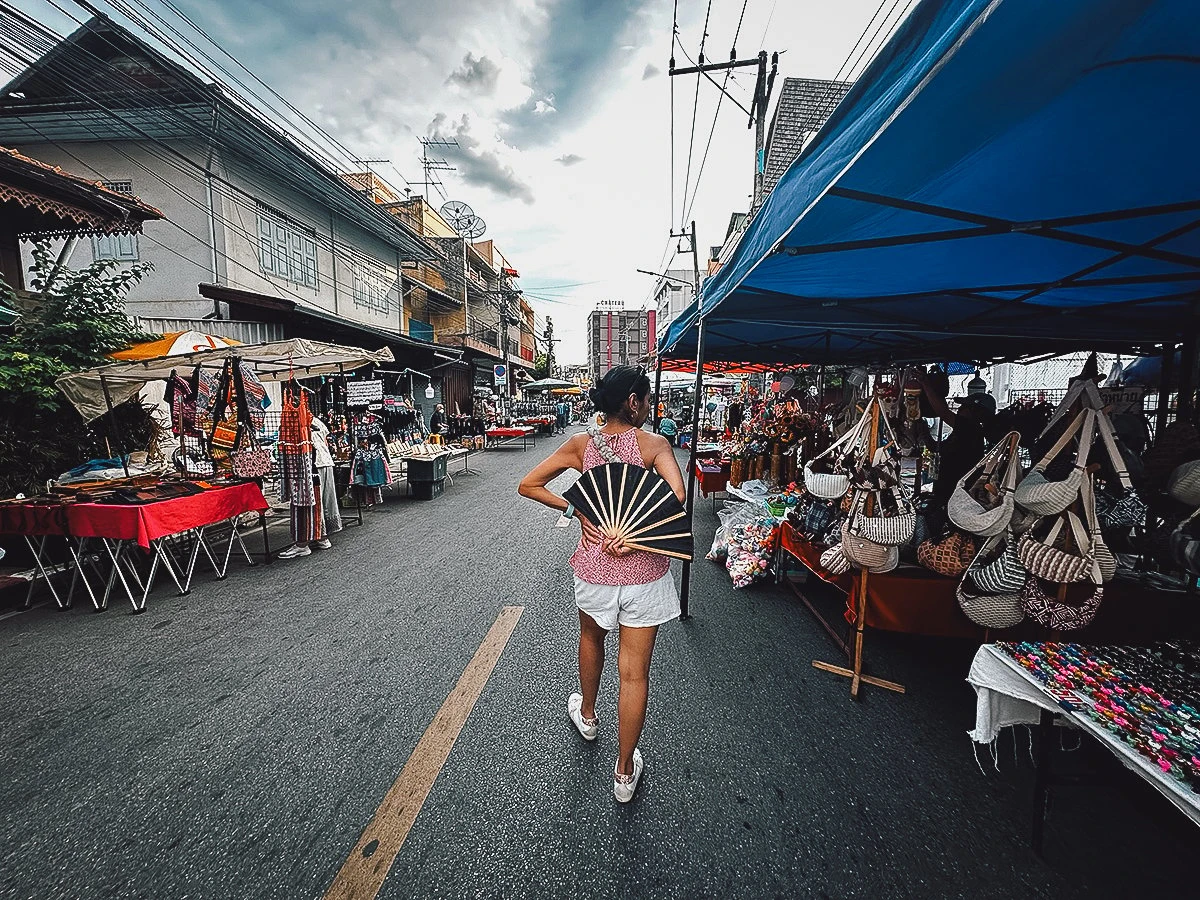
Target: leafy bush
{"points": [[76, 320]]}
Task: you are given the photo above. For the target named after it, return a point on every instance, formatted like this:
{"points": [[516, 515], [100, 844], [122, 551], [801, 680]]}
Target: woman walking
{"points": [[615, 586]]}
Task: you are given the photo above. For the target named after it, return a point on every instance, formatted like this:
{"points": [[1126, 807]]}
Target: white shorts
{"points": [[632, 605]]}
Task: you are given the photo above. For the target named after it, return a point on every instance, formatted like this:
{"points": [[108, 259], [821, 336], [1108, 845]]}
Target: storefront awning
{"points": [[276, 361]]}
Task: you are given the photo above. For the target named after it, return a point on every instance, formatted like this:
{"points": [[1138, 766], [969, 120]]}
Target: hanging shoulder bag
{"points": [[834, 561], [1184, 483], [998, 572], [1039, 494], [989, 610], [833, 485], [1075, 609], [1057, 555], [982, 502], [949, 555]]}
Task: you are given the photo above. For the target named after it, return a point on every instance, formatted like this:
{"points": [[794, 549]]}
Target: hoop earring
{"points": [[601, 419]]}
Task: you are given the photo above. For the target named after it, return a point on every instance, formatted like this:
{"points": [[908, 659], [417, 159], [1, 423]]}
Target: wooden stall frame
{"points": [[859, 598]]}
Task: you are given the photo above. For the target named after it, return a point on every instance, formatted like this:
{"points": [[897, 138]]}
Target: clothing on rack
{"points": [[295, 447]]}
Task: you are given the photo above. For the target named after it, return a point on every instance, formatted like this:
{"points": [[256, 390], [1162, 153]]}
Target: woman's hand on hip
{"points": [[591, 534]]}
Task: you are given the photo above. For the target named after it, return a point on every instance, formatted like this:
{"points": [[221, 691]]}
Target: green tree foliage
{"points": [[541, 367], [75, 320]]}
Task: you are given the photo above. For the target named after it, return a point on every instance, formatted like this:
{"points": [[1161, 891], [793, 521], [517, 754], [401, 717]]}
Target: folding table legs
{"points": [[38, 552]]}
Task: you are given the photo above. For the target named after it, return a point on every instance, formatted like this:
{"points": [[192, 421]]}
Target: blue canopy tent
{"points": [[1008, 177]]}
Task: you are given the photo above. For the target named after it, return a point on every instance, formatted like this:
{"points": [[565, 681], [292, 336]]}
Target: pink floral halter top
{"points": [[592, 564]]}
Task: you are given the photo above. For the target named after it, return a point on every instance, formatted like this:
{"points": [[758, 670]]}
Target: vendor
{"points": [[967, 443], [438, 424]]}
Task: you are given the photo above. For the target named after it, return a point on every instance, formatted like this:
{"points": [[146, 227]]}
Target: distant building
{"points": [[672, 295], [618, 336], [803, 108]]}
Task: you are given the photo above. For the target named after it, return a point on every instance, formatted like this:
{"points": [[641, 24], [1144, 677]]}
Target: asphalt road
{"points": [[235, 743]]}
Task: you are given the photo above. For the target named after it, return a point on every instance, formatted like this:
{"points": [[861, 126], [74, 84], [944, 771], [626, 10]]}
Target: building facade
{"points": [[259, 233], [672, 295], [618, 336]]}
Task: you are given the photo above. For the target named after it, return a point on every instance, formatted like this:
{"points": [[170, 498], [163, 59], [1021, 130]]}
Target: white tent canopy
{"points": [[275, 361]]}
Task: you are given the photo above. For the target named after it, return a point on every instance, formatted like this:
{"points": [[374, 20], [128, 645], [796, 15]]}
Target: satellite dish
{"points": [[462, 219], [786, 383]]}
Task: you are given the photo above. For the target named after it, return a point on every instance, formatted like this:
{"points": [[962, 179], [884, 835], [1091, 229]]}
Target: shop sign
{"points": [[1124, 399], [361, 393]]}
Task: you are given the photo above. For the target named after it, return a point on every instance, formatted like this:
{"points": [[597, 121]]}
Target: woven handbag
{"points": [[1076, 610], [998, 573], [834, 561], [833, 485], [1184, 483], [1039, 494], [251, 462], [989, 610], [949, 556], [1185, 544], [1062, 557], [863, 553], [995, 476], [820, 518], [1178, 443], [1127, 512], [893, 560]]}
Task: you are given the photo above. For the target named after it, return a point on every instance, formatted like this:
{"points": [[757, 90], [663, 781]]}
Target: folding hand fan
{"points": [[635, 505]]}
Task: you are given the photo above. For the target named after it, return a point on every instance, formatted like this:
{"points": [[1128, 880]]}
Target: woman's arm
{"points": [[533, 485], [665, 464], [936, 402]]}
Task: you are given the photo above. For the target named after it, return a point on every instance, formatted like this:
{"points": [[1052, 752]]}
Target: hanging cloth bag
{"points": [[863, 552], [998, 608], [1060, 556], [1075, 609], [833, 485], [1039, 494], [999, 573], [998, 471], [1106, 563], [949, 555]]}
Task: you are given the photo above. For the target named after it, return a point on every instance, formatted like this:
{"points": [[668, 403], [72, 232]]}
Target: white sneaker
{"points": [[575, 711], [295, 550], [623, 790], [323, 544]]}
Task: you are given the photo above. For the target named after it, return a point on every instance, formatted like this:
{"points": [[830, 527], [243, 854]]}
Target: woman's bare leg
{"points": [[591, 662], [633, 665]]}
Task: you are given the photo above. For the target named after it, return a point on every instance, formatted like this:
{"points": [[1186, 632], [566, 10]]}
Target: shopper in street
{"points": [[615, 586], [438, 423], [667, 428]]}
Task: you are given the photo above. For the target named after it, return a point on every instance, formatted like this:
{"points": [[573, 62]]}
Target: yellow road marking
{"points": [[362, 875]]}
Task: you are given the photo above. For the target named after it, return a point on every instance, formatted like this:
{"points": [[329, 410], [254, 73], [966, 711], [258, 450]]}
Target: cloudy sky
{"points": [[561, 110]]}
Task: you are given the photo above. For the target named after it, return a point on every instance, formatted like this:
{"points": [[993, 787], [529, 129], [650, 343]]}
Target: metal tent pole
{"points": [[657, 394], [685, 584], [1164, 389]]}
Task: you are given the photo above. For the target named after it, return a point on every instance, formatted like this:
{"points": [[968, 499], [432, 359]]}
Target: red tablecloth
{"points": [[914, 600], [508, 432], [712, 481], [144, 522]]}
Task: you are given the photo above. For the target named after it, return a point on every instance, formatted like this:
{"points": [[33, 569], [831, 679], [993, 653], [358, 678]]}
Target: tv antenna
{"points": [[432, 164]]}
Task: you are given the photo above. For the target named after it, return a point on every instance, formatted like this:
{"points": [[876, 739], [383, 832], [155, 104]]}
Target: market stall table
{"points": [[148, 525], [507, 436], [1008, 694]]}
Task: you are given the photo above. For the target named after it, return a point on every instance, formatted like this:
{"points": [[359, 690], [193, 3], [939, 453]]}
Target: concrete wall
{"points": [[342, 248], [179, 248]]}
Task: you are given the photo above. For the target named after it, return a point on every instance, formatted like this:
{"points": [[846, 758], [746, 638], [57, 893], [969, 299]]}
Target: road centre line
{"points": [[362, 875]]}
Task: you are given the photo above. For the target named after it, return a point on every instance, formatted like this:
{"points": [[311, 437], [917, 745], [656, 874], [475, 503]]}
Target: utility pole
{"points": [[551, 340], [763, 86]]}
